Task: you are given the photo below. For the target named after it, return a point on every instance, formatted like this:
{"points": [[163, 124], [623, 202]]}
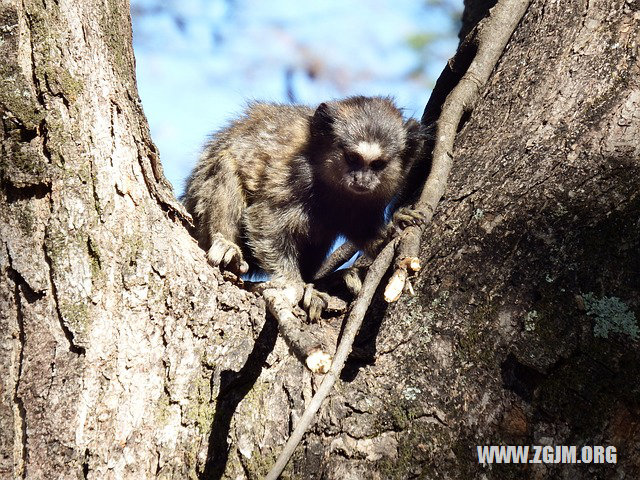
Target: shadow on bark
{"points": [[234, 386], [364, 345], [567, 377]]}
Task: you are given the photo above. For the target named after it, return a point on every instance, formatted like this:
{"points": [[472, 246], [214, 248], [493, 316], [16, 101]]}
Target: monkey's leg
{"points": [[271, 239], [281, 243]]}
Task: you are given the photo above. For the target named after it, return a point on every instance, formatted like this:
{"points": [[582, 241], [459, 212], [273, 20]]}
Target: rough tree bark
{"points": [[124, 355], [114, 331]]}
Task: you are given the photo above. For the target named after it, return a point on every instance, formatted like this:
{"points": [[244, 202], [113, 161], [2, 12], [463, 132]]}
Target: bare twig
{"points": [[490, 39], [395, 285], [307, 342], [371, 282]]}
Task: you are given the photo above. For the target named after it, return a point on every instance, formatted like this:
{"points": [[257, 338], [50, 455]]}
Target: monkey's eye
{"points": [[378, 164], [352, 159]]}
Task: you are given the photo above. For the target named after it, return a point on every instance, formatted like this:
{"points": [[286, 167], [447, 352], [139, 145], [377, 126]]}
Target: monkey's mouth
{"points": [[360, 189], [361, 183]]}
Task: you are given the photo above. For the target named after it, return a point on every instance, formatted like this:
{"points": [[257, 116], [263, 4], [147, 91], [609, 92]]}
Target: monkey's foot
{"points": [[408, 217], [352, 280], [226, 254], [315, 302]]}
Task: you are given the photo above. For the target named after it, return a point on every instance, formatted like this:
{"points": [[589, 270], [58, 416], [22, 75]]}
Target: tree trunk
{"points": [[114, 330], [124, 355]]}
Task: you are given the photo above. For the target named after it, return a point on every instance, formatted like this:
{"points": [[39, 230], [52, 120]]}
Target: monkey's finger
{"points": [[236, 262], [216, 254], [243, 267], [229, 256], [319, 303], [406, 217], [315, 309], [308, 295]]}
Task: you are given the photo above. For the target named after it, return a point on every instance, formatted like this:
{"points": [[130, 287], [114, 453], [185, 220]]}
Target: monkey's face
{"points": [[363, 142], [366, 169]]}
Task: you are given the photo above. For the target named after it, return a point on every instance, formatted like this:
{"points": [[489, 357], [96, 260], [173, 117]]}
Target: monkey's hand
{"points": [[226, 254], [402, 218], [407, 217]]}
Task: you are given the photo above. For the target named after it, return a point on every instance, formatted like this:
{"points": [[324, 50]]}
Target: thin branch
{"points": [[374, 275], [490, 39]]}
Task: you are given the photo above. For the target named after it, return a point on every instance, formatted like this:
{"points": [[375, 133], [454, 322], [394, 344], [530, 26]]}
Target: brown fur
{"points": [[282, 182]]}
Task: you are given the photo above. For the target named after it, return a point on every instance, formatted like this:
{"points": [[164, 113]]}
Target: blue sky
{"points": [[198, 62]]}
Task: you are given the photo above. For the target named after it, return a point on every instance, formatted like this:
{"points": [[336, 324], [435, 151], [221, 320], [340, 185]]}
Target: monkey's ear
{"points": [[323, 111], [416, 137], [322, 121], [413, 127]]}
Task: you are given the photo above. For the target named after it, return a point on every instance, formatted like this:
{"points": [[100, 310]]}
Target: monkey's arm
{"points": [[214, 198]]}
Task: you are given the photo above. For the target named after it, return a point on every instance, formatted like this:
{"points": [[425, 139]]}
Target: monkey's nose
{"points": [[363, 182]]}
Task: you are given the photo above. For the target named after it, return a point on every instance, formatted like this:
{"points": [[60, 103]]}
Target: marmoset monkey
{"points": [[275, 188]]}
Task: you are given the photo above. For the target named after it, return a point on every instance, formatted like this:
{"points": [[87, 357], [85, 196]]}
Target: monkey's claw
{"points": [[226, 254]]}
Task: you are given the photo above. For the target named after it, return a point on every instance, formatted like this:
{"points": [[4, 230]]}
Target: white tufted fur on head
{"points": [[369, 150]]}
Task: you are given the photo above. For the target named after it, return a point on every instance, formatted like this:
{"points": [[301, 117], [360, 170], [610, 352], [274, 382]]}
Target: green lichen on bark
{"points": [[65, 251], [201, 408], [117, 30], [22, 114], [61, 82], [49, 69], [415, 446], [26, 218], [259, 464], [93, 249], [16, 95], [475, 342], [76, 314], [611, 315]]}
